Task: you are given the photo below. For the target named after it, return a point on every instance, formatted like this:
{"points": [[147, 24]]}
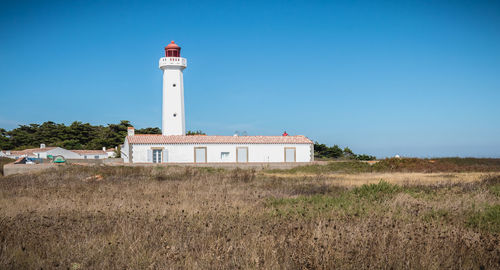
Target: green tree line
{"points": [[76, 136], [321, 151], [80, 135]]}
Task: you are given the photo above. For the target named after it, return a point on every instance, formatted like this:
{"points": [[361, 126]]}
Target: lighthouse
{"points": [[173, 146], [173, 121]]}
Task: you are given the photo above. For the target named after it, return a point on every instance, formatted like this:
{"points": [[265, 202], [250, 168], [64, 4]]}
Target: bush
{"points": [[376, 192], [364, 157], [488, 219]]}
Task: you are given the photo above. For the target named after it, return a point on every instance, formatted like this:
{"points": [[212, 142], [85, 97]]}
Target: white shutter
{"points": [[289, 154], [165, 155], [200, 155], [150, 155], [242, 154]]}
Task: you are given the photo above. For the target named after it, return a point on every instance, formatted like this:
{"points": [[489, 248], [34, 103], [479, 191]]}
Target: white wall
{"points": [[92, 156], [173, 100], [124, 152], [67, 154], [184, 153]]}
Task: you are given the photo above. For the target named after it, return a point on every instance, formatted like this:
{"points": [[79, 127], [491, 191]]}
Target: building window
{"points": [[85, 157], [175, 114], [172, 53], [96, 157], [173, 85], [224, 155]]}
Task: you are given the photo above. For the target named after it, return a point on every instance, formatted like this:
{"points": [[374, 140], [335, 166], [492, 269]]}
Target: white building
{"points": [[111, 152], [43, 153], [90, 154], [173, 146]]}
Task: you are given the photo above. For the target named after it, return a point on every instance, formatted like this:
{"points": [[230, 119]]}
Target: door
{"points": [[289, 154], [241, 154], [157, 155], [200, 154]]}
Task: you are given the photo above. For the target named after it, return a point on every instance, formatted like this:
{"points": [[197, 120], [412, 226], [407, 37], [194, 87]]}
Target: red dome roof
{"points": [[172, 45]]}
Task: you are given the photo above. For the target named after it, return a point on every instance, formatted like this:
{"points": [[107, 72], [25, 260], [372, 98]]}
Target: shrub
{"points": [[364, 157], [488, 219], [376, 192], [240, 175]]}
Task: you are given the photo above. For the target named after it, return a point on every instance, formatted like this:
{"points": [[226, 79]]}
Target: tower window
{"points": [[173, 85], [175, 114]]}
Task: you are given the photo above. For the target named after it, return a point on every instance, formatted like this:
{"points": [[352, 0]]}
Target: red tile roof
{"points": [[31, 151], [89, 152], [202, 139]]}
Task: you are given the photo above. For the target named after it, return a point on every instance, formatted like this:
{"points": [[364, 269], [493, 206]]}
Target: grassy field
{"points": [[403, 165], [78, 217]]}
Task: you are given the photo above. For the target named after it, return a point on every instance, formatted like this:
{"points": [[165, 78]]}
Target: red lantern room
{"points": [[172, 50]]}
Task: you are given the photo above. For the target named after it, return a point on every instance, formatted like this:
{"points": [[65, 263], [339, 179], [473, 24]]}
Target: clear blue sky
{"points": [[414, 78]]}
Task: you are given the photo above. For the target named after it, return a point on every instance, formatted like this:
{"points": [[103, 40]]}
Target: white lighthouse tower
{"points": [[173, 121]]}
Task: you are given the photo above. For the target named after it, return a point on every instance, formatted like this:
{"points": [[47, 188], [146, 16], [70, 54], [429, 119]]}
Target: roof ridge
{"points": [[216, 135], [218, 139]]}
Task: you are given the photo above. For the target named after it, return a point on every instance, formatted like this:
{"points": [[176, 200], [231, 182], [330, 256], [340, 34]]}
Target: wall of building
{"points": [[92, 156], [95, 161], [125, 152], [67, 154], [184, 153], [173, 102]]}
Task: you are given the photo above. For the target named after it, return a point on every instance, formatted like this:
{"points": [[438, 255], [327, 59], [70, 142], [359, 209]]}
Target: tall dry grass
{"points": [[176, 217]]}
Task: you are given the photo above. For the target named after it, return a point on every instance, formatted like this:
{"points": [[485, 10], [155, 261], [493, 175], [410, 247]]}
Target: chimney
{"points": [[42, 145], [104, 148], [130, 131]]}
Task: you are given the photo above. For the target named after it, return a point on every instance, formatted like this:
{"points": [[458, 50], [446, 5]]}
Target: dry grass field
{"points": [[79, 217]]}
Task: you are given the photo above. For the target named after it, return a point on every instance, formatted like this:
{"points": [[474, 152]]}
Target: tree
{"points": [[365, 157], [148, 130], [78, 135], [71, 144], [323, 151], [4, 140], [348, 151], [335, 152], [116, 133], [196, 132]]}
